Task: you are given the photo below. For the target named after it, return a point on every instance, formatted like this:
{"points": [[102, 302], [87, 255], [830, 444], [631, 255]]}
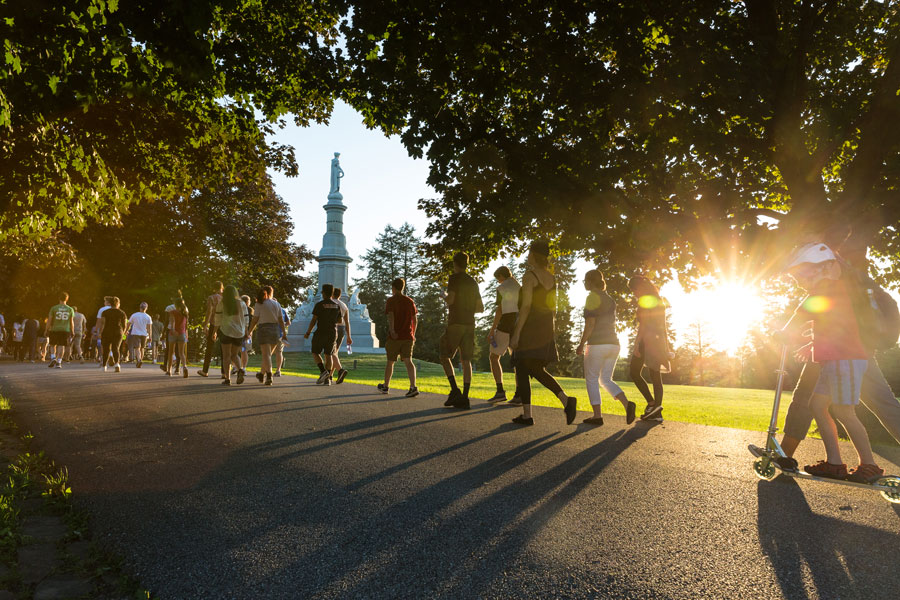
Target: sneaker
{"points": [[202, 373], [341, 374], [383, 388], [453, 397], [462, 403], [523, 420], [866, 474], [52, 364], [787, 463], [497, 397], [571, 409], [755, 450], [323, 376], [268, 379], [226, 382], [58, 365], [651, 411], [240, 377], [412, 392], [277, 374], [593, 421], [260, 376], [138, 365], [185, 371], [104, 368], [630, 412], [515, 401], [826, 469], [118, 368], [655, 418]]}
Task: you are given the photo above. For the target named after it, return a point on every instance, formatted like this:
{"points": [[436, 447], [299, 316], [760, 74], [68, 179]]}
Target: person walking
{"points": [[79, 325], [463, 303], [503, 326], [178, 337], [112, 328], [599, 346], [534, 340], [107, 302], [140, 325], [30, 337], [266, 316], [343, 329], [60, 324], [18, 337], [246, 344], [326, 315], [279, 347], [156, 337], [651, 345], [402, 321], [211, 326], [232, 319]]}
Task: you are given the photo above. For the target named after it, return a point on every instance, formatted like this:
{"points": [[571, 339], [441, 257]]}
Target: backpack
{"points": [[876, 311]]}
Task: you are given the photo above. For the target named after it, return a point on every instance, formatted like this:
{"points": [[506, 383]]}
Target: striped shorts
{"points": [[841, 380]]}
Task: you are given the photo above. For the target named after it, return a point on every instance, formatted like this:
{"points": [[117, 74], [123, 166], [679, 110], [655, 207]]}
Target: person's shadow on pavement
{"points": [[842, 559]]}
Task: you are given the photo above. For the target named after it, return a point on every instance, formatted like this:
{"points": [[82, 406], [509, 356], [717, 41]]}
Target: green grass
{"points": [[723, 407]]}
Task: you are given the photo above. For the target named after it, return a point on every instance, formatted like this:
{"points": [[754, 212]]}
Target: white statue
{"points": [[336, 173]]}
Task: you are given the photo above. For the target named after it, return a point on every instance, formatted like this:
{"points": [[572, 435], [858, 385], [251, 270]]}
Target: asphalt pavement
{"points": [[305, 491]]}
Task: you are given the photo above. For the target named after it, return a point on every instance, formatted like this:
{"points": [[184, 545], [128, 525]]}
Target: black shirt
{"points": [[328, 313], [466, 298], [113, 323]]}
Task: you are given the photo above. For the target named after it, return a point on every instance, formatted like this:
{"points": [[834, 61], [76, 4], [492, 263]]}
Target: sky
{"points": [[381, 186]]}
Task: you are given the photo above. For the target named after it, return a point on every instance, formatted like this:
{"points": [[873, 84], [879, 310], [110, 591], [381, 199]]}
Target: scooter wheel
{"points": [[764, 469], [894, 494]]}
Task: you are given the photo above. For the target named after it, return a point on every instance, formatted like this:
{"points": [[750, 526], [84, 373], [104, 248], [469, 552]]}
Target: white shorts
{"points": [[500, 346]]}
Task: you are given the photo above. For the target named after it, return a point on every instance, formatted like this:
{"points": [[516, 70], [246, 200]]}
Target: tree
{"points": [[105, 105], [651, 135], [236, 234], [396, 254]]}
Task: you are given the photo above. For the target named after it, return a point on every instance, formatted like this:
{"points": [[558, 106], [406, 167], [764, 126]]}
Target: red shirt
{"points": [[835, 330], [404, 309]]}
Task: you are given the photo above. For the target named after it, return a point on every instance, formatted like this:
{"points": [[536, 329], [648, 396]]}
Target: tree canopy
{"points": [[650, 135], [103, 105], [643, 135]]}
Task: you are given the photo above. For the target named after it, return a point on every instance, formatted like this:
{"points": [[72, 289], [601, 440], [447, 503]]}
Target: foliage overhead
{"points": [[104, 105], [643, 134]]}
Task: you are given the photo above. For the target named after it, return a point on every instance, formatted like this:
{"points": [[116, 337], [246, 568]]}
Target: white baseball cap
{"points": [[814, 253]]}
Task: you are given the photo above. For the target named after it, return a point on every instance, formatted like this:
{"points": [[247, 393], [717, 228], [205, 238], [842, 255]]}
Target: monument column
{"points": [[334, 268]]}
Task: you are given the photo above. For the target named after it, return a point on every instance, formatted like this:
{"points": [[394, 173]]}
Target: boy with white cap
{"points": [[837, 347]]}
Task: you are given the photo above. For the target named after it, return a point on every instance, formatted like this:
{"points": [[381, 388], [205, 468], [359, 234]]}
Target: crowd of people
{"points": [[839, 368]]}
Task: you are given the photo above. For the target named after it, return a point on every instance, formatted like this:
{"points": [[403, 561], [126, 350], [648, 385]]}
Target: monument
{"points": [[334, 263]]}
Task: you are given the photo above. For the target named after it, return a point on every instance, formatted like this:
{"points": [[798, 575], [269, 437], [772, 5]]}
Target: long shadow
{"points": [[843, 559], [369, 566]]}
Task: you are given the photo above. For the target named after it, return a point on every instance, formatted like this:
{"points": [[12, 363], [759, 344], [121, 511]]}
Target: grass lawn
{"points": [[725, 407]]}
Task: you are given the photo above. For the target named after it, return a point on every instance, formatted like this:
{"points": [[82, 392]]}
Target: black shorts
{"points": [[231, 341], [323, 343], [59, 338]]}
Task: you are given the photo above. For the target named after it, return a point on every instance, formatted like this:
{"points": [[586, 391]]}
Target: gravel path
{"points": [[301, 491]]}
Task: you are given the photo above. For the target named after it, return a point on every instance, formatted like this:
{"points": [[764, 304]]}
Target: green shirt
{"points": [[60, 317]]}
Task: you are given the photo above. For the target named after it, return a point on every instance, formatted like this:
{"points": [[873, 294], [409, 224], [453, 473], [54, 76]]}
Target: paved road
{"points": [[299, 491]]}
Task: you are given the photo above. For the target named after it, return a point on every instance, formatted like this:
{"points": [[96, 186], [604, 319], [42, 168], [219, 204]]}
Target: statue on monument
{"points": [[336, 173]]}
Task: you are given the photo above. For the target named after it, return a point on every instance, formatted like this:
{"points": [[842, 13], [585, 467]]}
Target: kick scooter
{"points": [[766, 467]]}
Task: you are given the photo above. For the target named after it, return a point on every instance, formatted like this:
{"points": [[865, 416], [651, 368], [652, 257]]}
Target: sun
{"points": [[724, 311]]}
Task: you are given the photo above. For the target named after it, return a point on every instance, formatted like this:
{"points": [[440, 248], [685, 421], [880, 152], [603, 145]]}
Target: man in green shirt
{"points": [[60, 324]]}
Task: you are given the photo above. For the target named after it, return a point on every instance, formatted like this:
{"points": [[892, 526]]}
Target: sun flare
{"points": [[725, 312]]}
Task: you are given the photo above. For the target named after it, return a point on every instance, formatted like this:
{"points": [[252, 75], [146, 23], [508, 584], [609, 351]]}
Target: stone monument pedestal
{"points": [[334, 263]]}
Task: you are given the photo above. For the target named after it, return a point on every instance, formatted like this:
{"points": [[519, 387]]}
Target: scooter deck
{"points": [[801, 474]]}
